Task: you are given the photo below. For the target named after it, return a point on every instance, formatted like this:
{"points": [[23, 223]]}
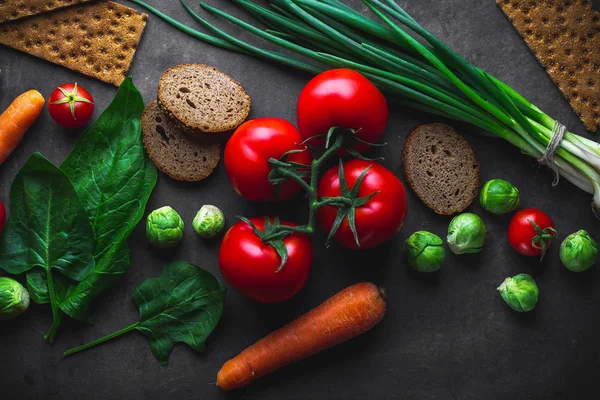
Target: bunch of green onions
{"points": [[423, 74]]}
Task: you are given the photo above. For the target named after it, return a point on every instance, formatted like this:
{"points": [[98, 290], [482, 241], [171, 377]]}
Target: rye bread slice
{"points": [[202, 99], [441, 168], [181, 157]]}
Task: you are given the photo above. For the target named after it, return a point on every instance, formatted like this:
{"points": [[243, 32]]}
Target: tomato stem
{"points": [[282, 169], [542, 238]]}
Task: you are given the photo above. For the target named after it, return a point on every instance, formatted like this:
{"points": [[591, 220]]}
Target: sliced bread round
{"points": [[441, 168], [181, 157], [202, 99]]}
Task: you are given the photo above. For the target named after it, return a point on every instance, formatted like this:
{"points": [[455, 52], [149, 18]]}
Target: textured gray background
{"points": [[444, 337]]}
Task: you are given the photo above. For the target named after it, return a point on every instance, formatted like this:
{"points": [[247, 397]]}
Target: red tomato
{"points": [[247, 156], [346, 99], [2, 216], [523, 235], [377, 220], [71, 106], [250, 265]]}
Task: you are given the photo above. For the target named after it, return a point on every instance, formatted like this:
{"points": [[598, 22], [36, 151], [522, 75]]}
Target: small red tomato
{"points": [[2, 216], [530, 232], [377, 220], [247, 155], [346, 99], [252, 266], [71, 106]]}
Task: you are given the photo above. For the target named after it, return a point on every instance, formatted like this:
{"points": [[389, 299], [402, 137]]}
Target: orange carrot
{"points": [[347, 314], [16, 119]]}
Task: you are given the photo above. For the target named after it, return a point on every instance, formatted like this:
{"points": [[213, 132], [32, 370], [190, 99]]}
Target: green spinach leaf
{"points": [[48, 228], [183, 305], [114, 178]]}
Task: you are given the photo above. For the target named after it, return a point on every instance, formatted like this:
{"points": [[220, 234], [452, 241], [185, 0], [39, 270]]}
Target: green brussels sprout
{"points": [[520, 292], [425, 251], [466, 234], [164, 228], [499, 197], [578, 251], [14, 298], [208, 222]]}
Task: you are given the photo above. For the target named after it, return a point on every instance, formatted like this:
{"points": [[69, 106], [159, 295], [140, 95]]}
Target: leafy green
{"points": [[48, 228], [183, 305], [114, 178]]}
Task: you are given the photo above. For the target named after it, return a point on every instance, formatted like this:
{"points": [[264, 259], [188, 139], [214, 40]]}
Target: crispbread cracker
{"points": [[97, 39], [15, 9], [565, 36]]}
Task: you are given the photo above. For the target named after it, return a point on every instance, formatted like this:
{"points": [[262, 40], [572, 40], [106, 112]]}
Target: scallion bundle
{"points": [[423, 74]]}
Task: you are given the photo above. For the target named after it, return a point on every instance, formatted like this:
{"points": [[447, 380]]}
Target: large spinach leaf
{"points": [[48, 228], [183, 305], [114, 178]]}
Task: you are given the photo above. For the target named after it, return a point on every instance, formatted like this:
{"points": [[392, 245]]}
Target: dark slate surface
{"points": [[445, 337]]}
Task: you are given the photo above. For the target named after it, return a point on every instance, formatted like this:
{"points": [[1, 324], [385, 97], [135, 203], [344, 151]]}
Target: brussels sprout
{"points": [[164, 228], [14, 298], [578, 251], [520, 292], [425, 251], [208, 222], [499, 197], [466, 234]]}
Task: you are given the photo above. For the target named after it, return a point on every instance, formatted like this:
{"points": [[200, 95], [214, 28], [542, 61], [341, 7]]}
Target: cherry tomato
{"points": [[530, 232], [71, 106], [247, 156], [346, 99], [377, 220], [251, 266], [2, 216]]}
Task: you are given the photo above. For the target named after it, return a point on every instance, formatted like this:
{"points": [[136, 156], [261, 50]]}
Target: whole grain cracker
{"points": [[14, 9], [97, 39], [565, 37]]}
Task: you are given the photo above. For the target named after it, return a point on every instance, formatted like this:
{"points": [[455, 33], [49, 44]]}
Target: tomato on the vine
{"points": [[247, 155], [253, 267], [342, 98], [530, 232], [378, 219], [71, 106]]}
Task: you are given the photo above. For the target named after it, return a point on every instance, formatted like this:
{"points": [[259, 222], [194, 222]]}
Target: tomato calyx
{"points": [[542, 238], [71, 98], [273, 235], [348, 202], [349, 137]]}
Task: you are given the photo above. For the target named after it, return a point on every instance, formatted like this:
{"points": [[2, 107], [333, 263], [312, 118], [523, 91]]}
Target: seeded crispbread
{"points": [[178, 155], [15, 9], [565, 37], [441, 168], [97, 39], [202, 99]]}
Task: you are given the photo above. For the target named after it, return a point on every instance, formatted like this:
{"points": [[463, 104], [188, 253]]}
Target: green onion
{"points": [[412, 66]]}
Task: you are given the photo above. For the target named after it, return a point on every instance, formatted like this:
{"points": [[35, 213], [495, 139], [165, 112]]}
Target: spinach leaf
{"points": [[114, 178], [183, 305], [38, 289], [48, 228]]}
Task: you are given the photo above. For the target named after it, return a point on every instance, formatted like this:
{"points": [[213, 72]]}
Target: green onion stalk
{"points": [[424, 74]]}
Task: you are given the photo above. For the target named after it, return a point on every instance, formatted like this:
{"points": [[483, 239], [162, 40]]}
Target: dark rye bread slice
{"points": [[181, 157], [441, 168], [202, 99]]}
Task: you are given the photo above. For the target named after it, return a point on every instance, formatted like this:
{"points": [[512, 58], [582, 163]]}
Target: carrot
{"points": [[16, 119], [344, 316]]}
